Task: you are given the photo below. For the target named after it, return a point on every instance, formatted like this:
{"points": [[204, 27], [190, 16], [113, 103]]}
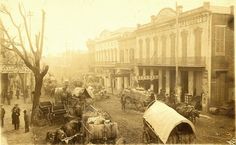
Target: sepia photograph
{"points": [[117, 72]]}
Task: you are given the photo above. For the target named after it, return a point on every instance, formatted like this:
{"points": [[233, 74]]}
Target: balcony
{"points": [[183, 62]]}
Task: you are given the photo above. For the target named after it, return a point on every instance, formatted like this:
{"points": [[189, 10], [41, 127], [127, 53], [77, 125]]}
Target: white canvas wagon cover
{"points": [[163, 119]]}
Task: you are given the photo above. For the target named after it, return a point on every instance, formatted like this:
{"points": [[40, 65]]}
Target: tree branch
{"points": [[45, 70], [42, 34], [37, 41], [15, 49], [18, 30], [27, 30]]}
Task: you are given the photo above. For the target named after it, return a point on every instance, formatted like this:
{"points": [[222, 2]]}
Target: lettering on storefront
{"points": [[14, 69]]}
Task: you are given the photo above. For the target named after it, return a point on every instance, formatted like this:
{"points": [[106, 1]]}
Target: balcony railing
{"points": [[184, 62], [188, 61]]}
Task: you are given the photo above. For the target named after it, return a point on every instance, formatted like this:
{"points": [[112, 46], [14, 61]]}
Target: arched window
{"points": [[198, 41], [172, 47], [140, 48], [147, 48], [184, 38], [155, 46], [163, 45]]}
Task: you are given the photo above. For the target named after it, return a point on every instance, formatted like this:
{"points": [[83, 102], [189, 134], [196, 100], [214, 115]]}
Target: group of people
{"points": [[8, 95], [16, 117]]}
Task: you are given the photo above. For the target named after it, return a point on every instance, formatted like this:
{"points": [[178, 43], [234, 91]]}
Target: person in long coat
{"points": [[2, 115], [27, 121], [15, 117]]}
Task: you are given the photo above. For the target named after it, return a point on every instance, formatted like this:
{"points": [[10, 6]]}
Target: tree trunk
{"points": [[36, 96]]}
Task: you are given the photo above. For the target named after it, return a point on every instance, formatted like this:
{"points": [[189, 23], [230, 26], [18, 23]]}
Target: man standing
{"points": [[17, 93], [9, 97], [26, 119], [2, 115], [15, 116], [122, 101]]}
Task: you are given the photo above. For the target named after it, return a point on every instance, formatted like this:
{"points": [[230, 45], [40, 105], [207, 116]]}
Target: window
{"points": [[148, 72], [131, 55], [163, 43], [140, 71], [140, 48], [172, 45], [220, 40], [198, 41], [155, 72], [121, 55], [184, 36], [155, 44], [147, 48]]}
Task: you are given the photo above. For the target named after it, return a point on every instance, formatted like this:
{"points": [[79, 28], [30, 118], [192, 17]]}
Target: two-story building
{"points": [[111, 54], [196, 46], [203, 54]]}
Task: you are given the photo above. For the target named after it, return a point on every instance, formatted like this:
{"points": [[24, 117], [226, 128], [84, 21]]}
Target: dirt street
{"points": [[209, 128]]}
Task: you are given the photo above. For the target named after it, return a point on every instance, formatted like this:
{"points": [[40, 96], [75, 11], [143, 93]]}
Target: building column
{"points": [[190, 82], [179, 87], [152, 74], [167, 82], [160, 80]]}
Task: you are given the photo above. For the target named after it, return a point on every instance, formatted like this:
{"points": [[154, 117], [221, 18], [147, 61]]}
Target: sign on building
{"points": [[11, 68]]}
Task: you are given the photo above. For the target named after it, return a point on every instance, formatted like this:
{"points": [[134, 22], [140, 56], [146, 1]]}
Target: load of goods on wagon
{"points": [[136, 98], [163, 125], [95, 127]]}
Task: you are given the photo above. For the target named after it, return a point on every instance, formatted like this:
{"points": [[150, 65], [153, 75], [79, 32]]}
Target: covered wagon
{"points": [[162, 124], [81, 96]]}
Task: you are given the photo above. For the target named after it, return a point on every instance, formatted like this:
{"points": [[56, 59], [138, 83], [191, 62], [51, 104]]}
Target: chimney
{"points": [[179, 9], [138, 25], [232, 10], [206, 5], [153, 18]]}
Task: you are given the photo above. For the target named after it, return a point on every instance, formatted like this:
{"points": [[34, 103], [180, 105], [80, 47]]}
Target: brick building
{"points": [[201, 44]]}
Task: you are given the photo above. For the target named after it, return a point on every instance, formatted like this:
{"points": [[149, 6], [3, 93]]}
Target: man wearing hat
{"points": [[15, 116], [2, 115]]}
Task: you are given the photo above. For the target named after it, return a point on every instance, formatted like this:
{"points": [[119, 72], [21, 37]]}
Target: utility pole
{"points": [[176, 55]]}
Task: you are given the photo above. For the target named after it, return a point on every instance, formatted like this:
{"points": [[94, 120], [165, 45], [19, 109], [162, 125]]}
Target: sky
{"points": [[70, 23]]}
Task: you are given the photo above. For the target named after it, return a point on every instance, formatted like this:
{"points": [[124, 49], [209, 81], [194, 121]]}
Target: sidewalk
{"points": [[9, 136]]}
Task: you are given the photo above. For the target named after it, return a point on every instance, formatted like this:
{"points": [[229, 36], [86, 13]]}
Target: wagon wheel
{"points": [[139, 106], [146, 137], [50, 118], [128, 100]]}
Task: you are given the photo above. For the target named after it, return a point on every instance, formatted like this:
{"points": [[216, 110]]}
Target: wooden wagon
{"points": [[162, 124], [52, 112]]}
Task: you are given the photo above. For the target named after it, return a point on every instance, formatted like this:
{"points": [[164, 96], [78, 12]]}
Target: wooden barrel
{"points": [[101, 131], [111, 130]]}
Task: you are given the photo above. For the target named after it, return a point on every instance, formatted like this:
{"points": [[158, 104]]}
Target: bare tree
{"points": [[31, 57]]}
